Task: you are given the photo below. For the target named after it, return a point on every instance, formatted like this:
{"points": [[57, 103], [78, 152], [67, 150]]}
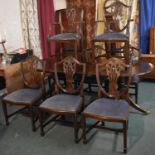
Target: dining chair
{"points": [[116, 22], [69, 32], [25, 87], [68, 100], [112, 104]]}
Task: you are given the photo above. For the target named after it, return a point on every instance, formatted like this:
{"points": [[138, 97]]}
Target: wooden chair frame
{"points": [[113, 69]]}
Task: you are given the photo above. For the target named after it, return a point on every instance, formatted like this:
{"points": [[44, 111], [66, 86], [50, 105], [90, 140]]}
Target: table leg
{"points": [[137, 107]]}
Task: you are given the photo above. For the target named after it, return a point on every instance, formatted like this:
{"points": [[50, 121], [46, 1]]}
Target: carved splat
{"points": [[69, 68], [118, 14], [114, 68], [30, 72]]}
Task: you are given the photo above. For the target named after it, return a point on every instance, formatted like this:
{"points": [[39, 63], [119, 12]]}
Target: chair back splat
{"points": [[114, 68], [68, 66], [33, 72]]}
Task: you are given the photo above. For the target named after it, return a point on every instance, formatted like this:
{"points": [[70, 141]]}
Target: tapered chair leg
{"points": [[84, 129], [32, 119], [41, 123], [5, 112], [136, 93], [75, 129], [125, 136]]}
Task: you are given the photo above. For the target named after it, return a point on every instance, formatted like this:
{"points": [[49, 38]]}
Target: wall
{"points": [[10, 23], [59, 4]]}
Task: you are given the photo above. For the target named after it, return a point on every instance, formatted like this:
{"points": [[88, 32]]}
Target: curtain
{"points": [[99, 16], [134, 25], [147, 19], [46, 20], [30, 26]]}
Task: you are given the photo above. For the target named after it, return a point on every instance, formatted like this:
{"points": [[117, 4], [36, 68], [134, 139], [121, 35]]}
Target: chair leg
{"points": [[125, 136], [41, 123], [84, 129], [5, 113], [136, 93], [75, 128], [32, 119]]}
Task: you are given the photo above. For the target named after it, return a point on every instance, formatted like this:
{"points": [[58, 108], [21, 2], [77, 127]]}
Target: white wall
{"points": [[10, 23], [59, 4]]}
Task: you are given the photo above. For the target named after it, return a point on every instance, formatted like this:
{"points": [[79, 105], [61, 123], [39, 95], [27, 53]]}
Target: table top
{"points": [[140, 68]]}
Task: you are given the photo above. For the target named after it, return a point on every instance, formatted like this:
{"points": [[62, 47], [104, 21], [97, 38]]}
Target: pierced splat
{"points": [[119, 14], [69, 68], [70, 20], [114, 68], [30, 72]]}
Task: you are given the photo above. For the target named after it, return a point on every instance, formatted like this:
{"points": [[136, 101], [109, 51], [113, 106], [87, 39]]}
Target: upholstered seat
{"points": [[63, 103], [108, 108], [23, 96], [113, 36], [65, 36]]}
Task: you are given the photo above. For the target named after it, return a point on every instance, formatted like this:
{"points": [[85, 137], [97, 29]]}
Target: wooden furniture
{"points": [[116, 35], [141, 68], [112, 106], [150, 58], [152, 40], [69, 98], [69, 32], [29, 90]]}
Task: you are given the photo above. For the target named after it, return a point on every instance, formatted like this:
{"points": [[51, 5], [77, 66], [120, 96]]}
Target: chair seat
{"points": [[65, 37], [108, 109], [63, 103], [114, 36], [23, 96]]}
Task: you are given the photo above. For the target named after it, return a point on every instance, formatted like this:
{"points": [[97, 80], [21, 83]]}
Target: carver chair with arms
{"points": [[68, 100], [69, 32], [112, 104], [25, 85]]}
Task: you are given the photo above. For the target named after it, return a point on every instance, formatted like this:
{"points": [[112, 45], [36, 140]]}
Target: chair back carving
{"points": [[114, 69], [13, 78], [117, 16], [70, 20], [33, 70], [68, 68]]}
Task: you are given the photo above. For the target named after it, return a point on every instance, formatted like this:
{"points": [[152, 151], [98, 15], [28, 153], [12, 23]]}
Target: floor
{"points": [[18, 139]]}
